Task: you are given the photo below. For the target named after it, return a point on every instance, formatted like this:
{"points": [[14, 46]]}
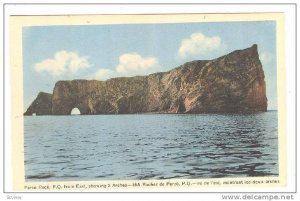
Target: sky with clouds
{"points": [[52, 53]]}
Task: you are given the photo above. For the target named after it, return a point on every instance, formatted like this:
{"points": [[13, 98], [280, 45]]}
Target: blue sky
{"points": [[52, 53]]}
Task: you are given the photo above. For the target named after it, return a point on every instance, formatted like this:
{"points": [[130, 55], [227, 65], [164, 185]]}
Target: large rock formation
{"points": [[231, 83]]}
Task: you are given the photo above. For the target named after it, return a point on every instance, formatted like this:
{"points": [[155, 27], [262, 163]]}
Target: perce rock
{"points": [[233, 83]]}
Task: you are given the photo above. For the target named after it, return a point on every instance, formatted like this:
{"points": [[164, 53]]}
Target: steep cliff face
{"points": [[231, 83], [42, 105]]}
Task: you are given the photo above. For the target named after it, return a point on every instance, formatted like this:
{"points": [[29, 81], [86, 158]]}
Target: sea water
{"points": [[150, 146]]}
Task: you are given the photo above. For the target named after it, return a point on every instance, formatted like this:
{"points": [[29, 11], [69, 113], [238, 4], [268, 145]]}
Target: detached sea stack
{"points": [[233, 83]]}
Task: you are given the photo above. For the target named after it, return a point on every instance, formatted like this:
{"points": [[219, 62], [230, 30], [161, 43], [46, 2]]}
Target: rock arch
{"points": [[75, 111]]}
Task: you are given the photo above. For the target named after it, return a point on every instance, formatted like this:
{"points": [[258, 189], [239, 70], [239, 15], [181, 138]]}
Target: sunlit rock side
{"points": [[233, 83]]}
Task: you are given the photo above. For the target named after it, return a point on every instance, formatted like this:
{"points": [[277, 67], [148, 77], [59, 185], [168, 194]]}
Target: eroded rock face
{"points": [[42, 105], [232, 83]]}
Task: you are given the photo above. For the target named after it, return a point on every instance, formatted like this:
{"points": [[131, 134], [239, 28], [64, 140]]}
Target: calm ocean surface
{"points": [[150, 146]]}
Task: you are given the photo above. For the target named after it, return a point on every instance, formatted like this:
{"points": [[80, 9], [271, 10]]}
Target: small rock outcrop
{"points": [[233, 83], [42, 105]]}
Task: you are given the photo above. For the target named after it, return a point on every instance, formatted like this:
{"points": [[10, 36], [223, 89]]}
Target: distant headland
{"points": [[233, 83]]}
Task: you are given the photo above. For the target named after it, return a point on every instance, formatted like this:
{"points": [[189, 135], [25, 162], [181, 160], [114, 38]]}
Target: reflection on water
{"points": [[130, 147]]}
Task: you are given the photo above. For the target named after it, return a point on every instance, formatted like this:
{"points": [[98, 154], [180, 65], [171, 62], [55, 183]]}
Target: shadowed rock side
{"points": [[42, 105], [231, 83]]}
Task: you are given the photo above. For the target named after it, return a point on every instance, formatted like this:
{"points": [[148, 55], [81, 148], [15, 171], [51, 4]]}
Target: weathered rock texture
{"points": [[42, 105], [231, 83]]}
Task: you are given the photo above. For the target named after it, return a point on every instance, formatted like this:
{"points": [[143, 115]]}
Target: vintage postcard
{"points": [[148, 102]]}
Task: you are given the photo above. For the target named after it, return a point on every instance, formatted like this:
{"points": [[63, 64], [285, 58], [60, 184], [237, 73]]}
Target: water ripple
{"points": [[108, 147]]}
